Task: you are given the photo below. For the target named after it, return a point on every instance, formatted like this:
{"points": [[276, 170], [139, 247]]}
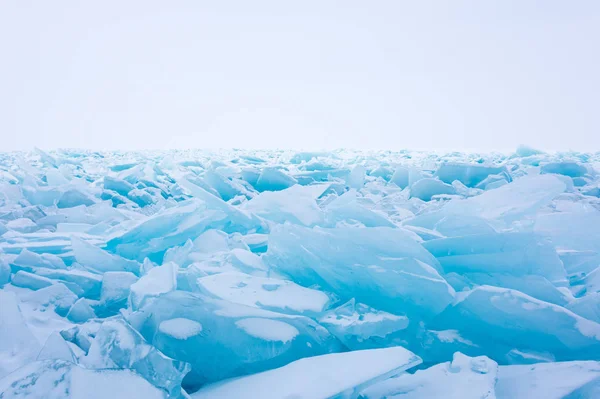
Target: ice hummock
{"points": [[159, 274]]}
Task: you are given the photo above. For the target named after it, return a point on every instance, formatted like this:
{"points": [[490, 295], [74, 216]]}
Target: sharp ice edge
{"points": [[299, 274]]}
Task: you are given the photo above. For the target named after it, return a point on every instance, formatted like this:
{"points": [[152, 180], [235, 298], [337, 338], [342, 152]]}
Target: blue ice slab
{"points": [[498, 318], [118, 185], [118, 345], [518, 254], [428, 187], [337, 375], [46, 379], [464, 377], [359, 326], [566, 168], [469, 174], [174, 226], [382, 267], [97, 259], [221, 339], [273, 179]]}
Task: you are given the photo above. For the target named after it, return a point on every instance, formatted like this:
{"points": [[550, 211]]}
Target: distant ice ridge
{"points": [[280, 274]]}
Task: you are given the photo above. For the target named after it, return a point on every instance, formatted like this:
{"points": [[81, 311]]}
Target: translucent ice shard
{"points": [[58, 379], [232, 339], [495, 317], [468, 174], [116, 287], [513, 201], [426, 188], [339, 375], [381, 267], [56, 348], [117, 345], [268, 293], [157, 281], [567, 168], [518, 254], [272, 179], [97, 259], [295, 205], [18, 346], [580, 379], [359, 326], [463, 378]]}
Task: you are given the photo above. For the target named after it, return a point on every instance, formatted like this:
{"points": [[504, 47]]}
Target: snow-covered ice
{"points": [[282, 274]]}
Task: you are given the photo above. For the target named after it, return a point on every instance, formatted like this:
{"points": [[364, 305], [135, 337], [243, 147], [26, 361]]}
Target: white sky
{"points": [[485, 75]]}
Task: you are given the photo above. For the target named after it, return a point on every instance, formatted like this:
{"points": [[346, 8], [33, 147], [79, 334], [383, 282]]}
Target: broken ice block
{"points": [[359, 326], [267, 293], [337, 375], [381, 267], [231, 339]]}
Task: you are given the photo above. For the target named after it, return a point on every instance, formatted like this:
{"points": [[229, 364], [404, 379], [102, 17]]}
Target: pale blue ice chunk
{"points": [[495, 317], [356, 179], [383, 172], [56, 348], [250, 175], [267, 293], [514, 201], [246, 261], [56, 297], [536, 286], [118, 185], [300, 157], [400, 177], [583, 224], [587, 306], [118, 345], [273, 179], [457, 226], [463, 378], [295, 205], [58, 379], [29, 280], [157, 281], [381, 267], [548, 380], [346, 208], [526, 151], [226, 188], [81, 311], [469, 174], [27, 259], [5, 271], [426, 188], [82, 335], [75, 197], [566, 168], [518, 254], [234, 339], [140, 197], [18, 345], [82, 283], [116, 288], [22, 225], [174, 226], [337, 375], [359, 326], [100, 260]]}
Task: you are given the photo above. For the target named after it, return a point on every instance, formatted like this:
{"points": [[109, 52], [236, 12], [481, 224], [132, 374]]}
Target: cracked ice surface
{"points": [[299, 274]]}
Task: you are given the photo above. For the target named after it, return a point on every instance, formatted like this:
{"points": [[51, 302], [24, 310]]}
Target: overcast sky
{"points": [[470, 75]]}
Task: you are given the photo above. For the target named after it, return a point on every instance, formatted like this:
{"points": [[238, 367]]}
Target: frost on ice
{"points": [[299, 274]]}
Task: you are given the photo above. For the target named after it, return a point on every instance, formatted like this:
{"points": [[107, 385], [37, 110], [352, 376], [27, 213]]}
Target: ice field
{"points": [[283, 274]]}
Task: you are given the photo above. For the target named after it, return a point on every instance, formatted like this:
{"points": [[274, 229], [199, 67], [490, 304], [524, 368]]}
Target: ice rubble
{"points": [[312, 274]]}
